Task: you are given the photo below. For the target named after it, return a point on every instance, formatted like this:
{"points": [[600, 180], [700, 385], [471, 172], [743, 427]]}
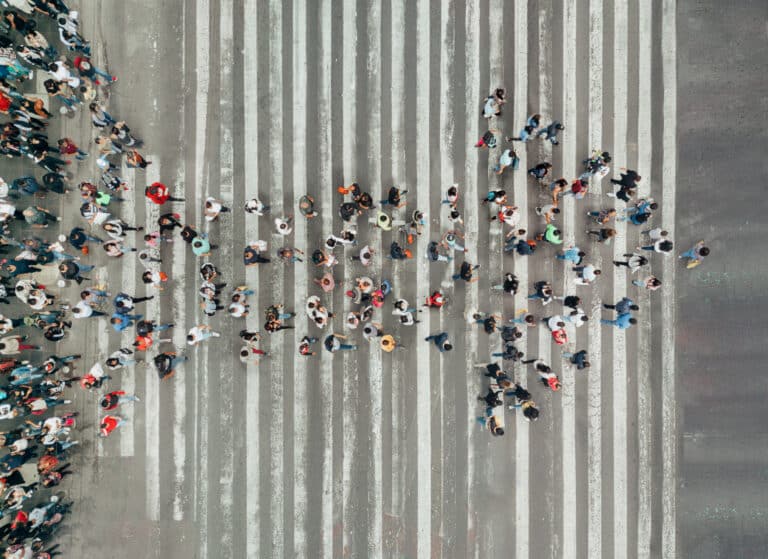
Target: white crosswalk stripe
{"points": [[668, 389], [620, 380], [594, 380]]}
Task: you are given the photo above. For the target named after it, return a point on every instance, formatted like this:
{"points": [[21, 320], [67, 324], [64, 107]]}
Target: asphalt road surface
{"points": [[363, 454]]}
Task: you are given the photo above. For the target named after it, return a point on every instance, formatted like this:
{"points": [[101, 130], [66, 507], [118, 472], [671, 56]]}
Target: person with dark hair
{"points": [[492, 398], [543, 291], [530, 411], [551, 131], [663, 246], [441, 341], [627, 183], [167, 362], [625, 305], [696, 255], [488, 140], [509, 285], [518, 392], [168, 222], [494, 422], [510, 353], [158, 193], [579, 358], [546, 375], [622, 321], [466, 272], [540, 171], [634, 261], [393, 198]]}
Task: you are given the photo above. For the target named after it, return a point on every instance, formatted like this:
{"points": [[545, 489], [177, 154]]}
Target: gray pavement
{"points": [[721, 331], [378, 455]]}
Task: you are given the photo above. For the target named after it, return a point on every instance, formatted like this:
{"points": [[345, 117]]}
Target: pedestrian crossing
{"points": [[369, 454]]}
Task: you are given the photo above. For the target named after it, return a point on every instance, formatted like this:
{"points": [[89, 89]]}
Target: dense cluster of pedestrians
{"points": [[502, 387], [38, 430]]}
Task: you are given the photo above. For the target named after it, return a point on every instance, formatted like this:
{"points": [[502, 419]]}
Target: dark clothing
{"points": [[579, 359], [571, 301]]}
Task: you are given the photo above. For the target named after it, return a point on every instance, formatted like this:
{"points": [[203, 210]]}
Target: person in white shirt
{"points": [[283, 225], [256, 207], [555, 322], [365, 257], [11, 345], [84, 310], [61, 73], [212, 208], [587, 274], [200, 333]]}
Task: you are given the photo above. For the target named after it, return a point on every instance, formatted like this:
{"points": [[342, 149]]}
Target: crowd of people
{"points": [[38, 431], [35, 379], [635, 211]]}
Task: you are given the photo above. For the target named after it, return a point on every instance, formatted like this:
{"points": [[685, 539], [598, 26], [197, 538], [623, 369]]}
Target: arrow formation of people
{"points": [[31, 389]]}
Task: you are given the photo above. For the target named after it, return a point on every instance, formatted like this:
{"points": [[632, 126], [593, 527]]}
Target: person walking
{"points": [[12, 345], [622, 322], [579, 358], [662, 246], [695, 255], [466, 272], [651, 283], [586, 274], [572, 254], [551, 131], [212, 208], [158, 193], [333, 343], [441, 341], [109, 423], [198, 334], [634, 261], [166, 364], [115, 398], [625, 305], [603, 235]]}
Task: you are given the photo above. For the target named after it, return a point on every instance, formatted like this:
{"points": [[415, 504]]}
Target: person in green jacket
{"points": [[551, 234]]}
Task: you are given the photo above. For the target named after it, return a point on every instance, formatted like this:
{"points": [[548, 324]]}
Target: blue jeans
{"points": [[176, 361], [689, 254], [161, 327], [346, 346], [102, 73], [284, 315], [606, 321], [204, 335], [86, 267], [536, 296], [568, 257]]}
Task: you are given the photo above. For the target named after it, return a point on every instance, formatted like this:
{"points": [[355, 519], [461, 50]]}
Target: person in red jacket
{"points": [[159, 194], [114, 399], [109, 423], [436, 300], [87, 70]]}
